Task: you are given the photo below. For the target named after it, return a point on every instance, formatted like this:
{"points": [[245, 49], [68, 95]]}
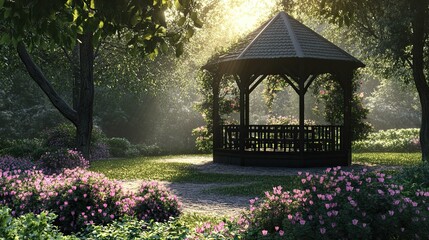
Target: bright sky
{"points": [[244, 16]]}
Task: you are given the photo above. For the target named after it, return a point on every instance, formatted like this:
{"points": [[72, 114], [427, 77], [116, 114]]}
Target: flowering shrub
{"points": [[79, 197], [154, 201], [11, 163], [62, 159], [227, 229], [23, 191], [82, 197], [100, 151], [339, 205], [204, 139], [392, 140]]}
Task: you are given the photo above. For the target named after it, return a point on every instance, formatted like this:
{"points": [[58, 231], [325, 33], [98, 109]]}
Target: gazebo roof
{"points": [[283, 45]]}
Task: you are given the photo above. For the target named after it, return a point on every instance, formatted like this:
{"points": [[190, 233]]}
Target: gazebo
{"points": [[287, 48]]}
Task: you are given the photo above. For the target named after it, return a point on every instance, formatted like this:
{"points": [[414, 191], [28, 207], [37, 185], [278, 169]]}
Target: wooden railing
{"points": [[282, 138]]}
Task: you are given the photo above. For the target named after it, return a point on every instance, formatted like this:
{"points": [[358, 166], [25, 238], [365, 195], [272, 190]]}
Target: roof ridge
{"points": [[296, 44], [322, 38], [257, 36]]}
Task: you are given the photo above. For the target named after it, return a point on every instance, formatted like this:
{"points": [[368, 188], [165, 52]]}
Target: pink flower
{"points": [[302, 221], [323, 231], [355, 221], [281, 232], [264, 232], [276, 228]]}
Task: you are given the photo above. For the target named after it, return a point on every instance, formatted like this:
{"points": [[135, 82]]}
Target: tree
{"points": [[397, 30], [80, 26]]}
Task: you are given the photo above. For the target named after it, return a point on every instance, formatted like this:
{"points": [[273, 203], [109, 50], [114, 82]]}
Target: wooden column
{"points": [[243, 83], [242, 118], [217, 130], [247, 104], [346, 135], [301, 93]]}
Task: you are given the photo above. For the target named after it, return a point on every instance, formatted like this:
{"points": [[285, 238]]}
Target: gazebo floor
{"points": [[281, 159]]}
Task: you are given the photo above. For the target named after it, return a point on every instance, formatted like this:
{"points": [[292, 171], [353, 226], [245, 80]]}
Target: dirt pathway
{"points": [[196, 198]]}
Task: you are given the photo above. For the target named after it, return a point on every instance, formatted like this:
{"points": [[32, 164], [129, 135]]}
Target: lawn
{"points": [[157, 168]]}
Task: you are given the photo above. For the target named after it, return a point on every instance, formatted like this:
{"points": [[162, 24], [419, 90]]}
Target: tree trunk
{"points": [[37, 75], [85, 109], [76, 76], [418, 38]]}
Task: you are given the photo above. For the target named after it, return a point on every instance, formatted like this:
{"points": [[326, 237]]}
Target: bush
{"points": [[149, 150], [155, 202], [62, 136], [56, 161], [25, 191], [118, 146], [414, 178], [339, 205], [126, 228], [29, 226], [9, 163], [78, 197], [100, 151], [204, 139], [82, 198], [392, 140], [23, 148]]}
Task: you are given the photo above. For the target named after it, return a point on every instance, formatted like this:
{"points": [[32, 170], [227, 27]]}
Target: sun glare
{"points": [[244, 16]]}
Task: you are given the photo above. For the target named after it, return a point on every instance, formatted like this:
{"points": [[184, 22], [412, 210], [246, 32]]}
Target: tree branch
{"points": [[37, 75]]}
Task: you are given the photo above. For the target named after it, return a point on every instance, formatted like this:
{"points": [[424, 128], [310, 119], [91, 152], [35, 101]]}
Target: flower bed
{"points": [[79, 197], [334, 205]]}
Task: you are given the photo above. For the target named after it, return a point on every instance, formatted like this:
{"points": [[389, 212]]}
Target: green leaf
{"points": [[164, 47], [197, 22], [179, 49], [75, 15], [177, 4], [181, 21], [5, 39], [1, 3], [100, 24], [190, 33]]}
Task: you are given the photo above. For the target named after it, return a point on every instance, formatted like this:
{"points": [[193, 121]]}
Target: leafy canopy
{"points": [[142, 23]]}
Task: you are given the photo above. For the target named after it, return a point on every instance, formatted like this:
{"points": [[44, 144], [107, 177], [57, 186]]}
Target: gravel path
{"points": [[196, 199]]}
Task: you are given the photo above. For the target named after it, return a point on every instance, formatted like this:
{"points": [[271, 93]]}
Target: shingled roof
{"points": [[283, 44]]}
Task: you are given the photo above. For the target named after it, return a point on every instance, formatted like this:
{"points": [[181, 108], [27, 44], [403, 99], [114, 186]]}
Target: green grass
{"points": [[154, 168], [388, 159], [258, 188]]}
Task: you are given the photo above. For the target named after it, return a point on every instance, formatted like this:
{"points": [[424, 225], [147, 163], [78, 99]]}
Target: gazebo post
{"points": [[346, 79], [217, 130], [301, 93]]}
